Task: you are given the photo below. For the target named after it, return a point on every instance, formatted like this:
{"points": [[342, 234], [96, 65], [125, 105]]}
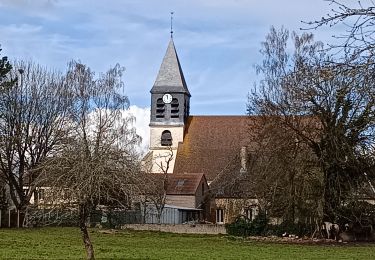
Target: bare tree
{"points": [[330, 108], [98, 164], [154, 186], [358, 18], [283, 174], [32, 127], [5, 83]]}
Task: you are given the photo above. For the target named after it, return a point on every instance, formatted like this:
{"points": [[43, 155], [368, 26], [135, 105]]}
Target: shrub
{"points": [[244, 227], [260, 227], [289, 227], [240, 227]]}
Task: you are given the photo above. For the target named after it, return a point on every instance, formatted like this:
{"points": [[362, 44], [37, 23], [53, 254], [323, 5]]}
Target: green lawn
{"points": [[65, 243]]}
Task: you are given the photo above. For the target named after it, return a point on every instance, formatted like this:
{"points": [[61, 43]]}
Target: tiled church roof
{"points": [[211, 143]]}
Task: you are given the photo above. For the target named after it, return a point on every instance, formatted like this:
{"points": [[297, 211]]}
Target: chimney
{"points": [[243, 157]]}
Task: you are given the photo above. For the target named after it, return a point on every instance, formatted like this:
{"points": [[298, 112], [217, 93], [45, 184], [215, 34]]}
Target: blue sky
{"points": [[217, 42]]}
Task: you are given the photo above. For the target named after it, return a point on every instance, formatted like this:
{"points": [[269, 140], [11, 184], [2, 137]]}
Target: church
{"points": [[196, 154]]}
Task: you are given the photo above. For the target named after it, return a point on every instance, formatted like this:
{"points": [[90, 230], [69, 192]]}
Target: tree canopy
{"points": [[330, 106], [98, 162]]}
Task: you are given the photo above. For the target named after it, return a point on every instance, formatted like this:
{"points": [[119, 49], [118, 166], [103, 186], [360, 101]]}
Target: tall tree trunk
{"points": [[332, 196], [87, 242], [83, 215]]}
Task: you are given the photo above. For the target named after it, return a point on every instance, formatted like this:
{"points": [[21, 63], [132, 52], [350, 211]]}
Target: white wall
{"points": [[162, 154]]}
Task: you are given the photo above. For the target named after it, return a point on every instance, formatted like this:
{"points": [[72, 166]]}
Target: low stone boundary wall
{"points": [[182, 228]]}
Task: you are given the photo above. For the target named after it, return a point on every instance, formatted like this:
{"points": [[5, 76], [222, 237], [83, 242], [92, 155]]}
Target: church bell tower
{"points": [[170, 102]]}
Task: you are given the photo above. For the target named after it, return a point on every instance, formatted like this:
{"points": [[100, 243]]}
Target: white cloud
{"points": [[136, 117], [142, 120]]}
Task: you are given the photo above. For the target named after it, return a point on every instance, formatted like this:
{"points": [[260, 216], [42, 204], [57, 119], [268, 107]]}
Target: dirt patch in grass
{"points": [[307, 241]]}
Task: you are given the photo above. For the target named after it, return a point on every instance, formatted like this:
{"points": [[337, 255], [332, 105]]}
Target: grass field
{"points": [[65, 243]]}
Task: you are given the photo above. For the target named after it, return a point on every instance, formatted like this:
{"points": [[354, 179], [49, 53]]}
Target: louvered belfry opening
{"points": [[175, 108], [160, 108], [166, 138]]}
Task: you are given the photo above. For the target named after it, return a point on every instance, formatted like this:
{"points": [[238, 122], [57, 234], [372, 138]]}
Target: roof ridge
{"points": [[220, 116]]}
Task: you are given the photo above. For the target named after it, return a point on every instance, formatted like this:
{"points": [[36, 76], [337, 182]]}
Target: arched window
{"points": [[166, 138], [175, 108], [160, 108]]}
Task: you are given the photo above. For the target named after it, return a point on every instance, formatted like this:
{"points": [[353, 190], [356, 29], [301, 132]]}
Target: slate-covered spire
{"points": [[170, 77]]}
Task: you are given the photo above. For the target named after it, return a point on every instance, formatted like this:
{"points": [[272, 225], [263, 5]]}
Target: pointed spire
{"points": [[170, 77], [172, 24]]}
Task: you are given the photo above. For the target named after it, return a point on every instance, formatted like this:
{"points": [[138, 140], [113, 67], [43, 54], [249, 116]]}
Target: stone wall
{"points": [[184, 228], [235, 207]]}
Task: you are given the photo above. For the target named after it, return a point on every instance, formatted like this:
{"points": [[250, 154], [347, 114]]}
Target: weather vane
{"points": [[172, 24]]}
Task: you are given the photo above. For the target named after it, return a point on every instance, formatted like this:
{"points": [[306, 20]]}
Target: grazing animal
{"points": [[347, 226], [331, 229]]}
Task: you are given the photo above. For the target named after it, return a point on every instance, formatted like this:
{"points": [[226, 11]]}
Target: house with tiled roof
{"points": [[174, 198], [213, 147]]}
